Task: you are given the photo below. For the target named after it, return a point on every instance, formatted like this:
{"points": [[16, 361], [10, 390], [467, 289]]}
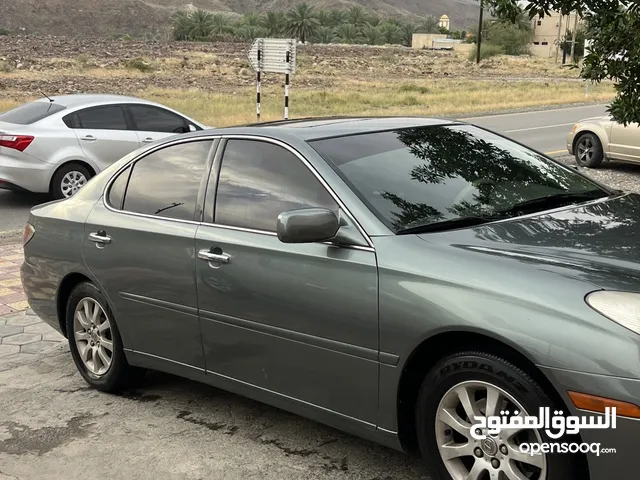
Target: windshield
{"points": [[420, 176], [31, 112]]}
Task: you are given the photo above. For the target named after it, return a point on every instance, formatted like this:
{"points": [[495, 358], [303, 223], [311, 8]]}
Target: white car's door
{"points": [[625, 142], [154, 123], [104, 134]]}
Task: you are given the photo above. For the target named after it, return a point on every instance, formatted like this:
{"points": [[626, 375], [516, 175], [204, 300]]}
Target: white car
{"points": [[55, 145]]}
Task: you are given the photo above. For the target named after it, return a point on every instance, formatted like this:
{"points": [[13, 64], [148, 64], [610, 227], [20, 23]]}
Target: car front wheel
{"points": [[94, 341], [588, 151], [474, 384]]}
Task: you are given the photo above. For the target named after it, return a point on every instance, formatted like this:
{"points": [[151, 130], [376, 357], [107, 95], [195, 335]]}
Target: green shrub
{"points": [[487, 50], [4, 31], [6, 67], [412, 87]]}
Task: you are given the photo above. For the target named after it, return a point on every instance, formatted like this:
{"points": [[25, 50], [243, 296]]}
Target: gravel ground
{"points": [[622, 176]]}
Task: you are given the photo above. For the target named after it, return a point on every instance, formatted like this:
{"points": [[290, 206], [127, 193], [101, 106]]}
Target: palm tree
{"points": [[374, 20], [251, 19], [347, 33], [324, 19], [302, 21], [324, 35], [221, 24], [273, 23], [428, 25], [337, 17], [249, 32], [357, 16], [408, 29], [390, 33], [372, 35], [201, 25], [181, 25]]}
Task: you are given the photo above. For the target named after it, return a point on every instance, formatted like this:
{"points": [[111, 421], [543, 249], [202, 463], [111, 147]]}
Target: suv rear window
{"points": [[31, 112]]}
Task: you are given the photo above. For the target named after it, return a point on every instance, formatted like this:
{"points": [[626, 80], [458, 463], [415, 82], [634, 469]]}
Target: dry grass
{"points": [[434, 98]]}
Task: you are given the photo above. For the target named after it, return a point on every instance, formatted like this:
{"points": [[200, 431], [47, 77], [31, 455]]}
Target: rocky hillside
{"points": [[140, 17]]}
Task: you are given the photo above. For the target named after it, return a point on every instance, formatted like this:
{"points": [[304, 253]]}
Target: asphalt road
{"points": [[543, 130]]}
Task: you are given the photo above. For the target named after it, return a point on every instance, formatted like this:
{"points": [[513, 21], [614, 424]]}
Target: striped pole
{"points": [[286, 85], [258, 82]]}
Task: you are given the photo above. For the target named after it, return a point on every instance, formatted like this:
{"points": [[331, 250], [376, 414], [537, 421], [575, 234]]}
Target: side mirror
{"points": [[308, 225]]}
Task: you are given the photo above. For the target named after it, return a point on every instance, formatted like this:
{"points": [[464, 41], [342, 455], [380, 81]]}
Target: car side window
{"points": [[259, 180], [117, 189], [109, 117], [165, 183], [154, 119]]}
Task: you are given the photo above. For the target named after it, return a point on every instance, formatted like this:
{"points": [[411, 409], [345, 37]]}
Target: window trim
{"points": [[197, 211], [216, 154], [94, 107], [132, 118]]}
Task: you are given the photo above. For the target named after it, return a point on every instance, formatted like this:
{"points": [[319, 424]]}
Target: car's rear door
{"points": [[299, 320], [625, 142], [139, 244], [153, 123], [104, 133]]}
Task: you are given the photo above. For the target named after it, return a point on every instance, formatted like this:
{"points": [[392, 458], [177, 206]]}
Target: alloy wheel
{"points": [[71, 183], [585, 150], [93, 336], [497, 457]]}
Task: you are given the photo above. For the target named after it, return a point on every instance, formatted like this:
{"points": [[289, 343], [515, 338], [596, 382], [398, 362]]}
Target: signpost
{"points": [[273, 55], [587, 44]]}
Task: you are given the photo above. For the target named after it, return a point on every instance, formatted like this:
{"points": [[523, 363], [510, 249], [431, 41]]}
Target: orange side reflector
{"points": [[598, 404]]}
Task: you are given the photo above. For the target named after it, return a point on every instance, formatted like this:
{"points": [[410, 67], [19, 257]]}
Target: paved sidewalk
{"points": [[22, 334]]}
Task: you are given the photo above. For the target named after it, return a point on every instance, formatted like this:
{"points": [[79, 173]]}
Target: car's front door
{"points": [[625, 142], [104, 134], [300, 320], [153, 123], [140, 246]]}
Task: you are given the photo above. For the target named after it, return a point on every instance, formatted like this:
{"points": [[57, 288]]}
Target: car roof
{"points": [[83, 99], [309, 129]]}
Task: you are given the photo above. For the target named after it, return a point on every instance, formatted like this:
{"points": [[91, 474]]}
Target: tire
{"points": [[588, 150], [467, 371], [78, 174], [113, 375]]}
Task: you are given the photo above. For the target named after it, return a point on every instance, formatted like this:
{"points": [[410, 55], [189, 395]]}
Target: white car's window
{"points": [[110, 117], [153, 119]]}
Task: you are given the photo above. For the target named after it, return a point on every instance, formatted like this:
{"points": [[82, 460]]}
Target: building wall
{"points": [[425, 40], [545, 33]]}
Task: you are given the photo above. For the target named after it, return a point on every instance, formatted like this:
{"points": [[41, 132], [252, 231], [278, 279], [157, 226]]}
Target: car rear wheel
{"points": [[470, 384], [588, 151], [94, 340], [68, 180]]}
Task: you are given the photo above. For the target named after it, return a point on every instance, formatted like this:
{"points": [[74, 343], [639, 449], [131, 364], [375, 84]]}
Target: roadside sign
{"points": [[273, 56]]}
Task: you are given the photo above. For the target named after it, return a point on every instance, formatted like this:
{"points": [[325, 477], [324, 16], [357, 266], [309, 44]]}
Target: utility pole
{"points": [[479, 38], [559, 33], [573, 39]]}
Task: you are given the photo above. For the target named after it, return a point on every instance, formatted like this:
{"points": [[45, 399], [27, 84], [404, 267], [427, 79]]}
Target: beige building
{"points": [[444, 22], [546, 30]]}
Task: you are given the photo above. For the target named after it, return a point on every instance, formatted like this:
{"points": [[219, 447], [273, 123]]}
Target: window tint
{"points": [[109, 117], [258, 181], [166, 182], [152, 119], [417, 176], [31, 112], [116, 192]]}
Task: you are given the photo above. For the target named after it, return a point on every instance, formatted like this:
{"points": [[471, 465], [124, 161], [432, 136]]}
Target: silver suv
{"points": [[55, 145]]}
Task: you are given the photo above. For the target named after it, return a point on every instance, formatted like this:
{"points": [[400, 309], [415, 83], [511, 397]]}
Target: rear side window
{"points": [[31, 112], [118, 188], [154, 119], [165, 183], [110, 117]]}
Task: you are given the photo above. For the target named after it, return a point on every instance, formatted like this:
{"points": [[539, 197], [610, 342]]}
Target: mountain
{"points": [[138, 17]]}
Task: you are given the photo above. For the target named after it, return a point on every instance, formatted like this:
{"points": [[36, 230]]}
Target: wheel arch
{"points": [[67, 285], [600, 133], [92, 169], [432, 349]]}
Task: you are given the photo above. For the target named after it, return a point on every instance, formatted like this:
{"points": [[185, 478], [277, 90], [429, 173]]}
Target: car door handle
{"points": [[213, 257], [147, 140], [88, 138], [100, 237]]}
